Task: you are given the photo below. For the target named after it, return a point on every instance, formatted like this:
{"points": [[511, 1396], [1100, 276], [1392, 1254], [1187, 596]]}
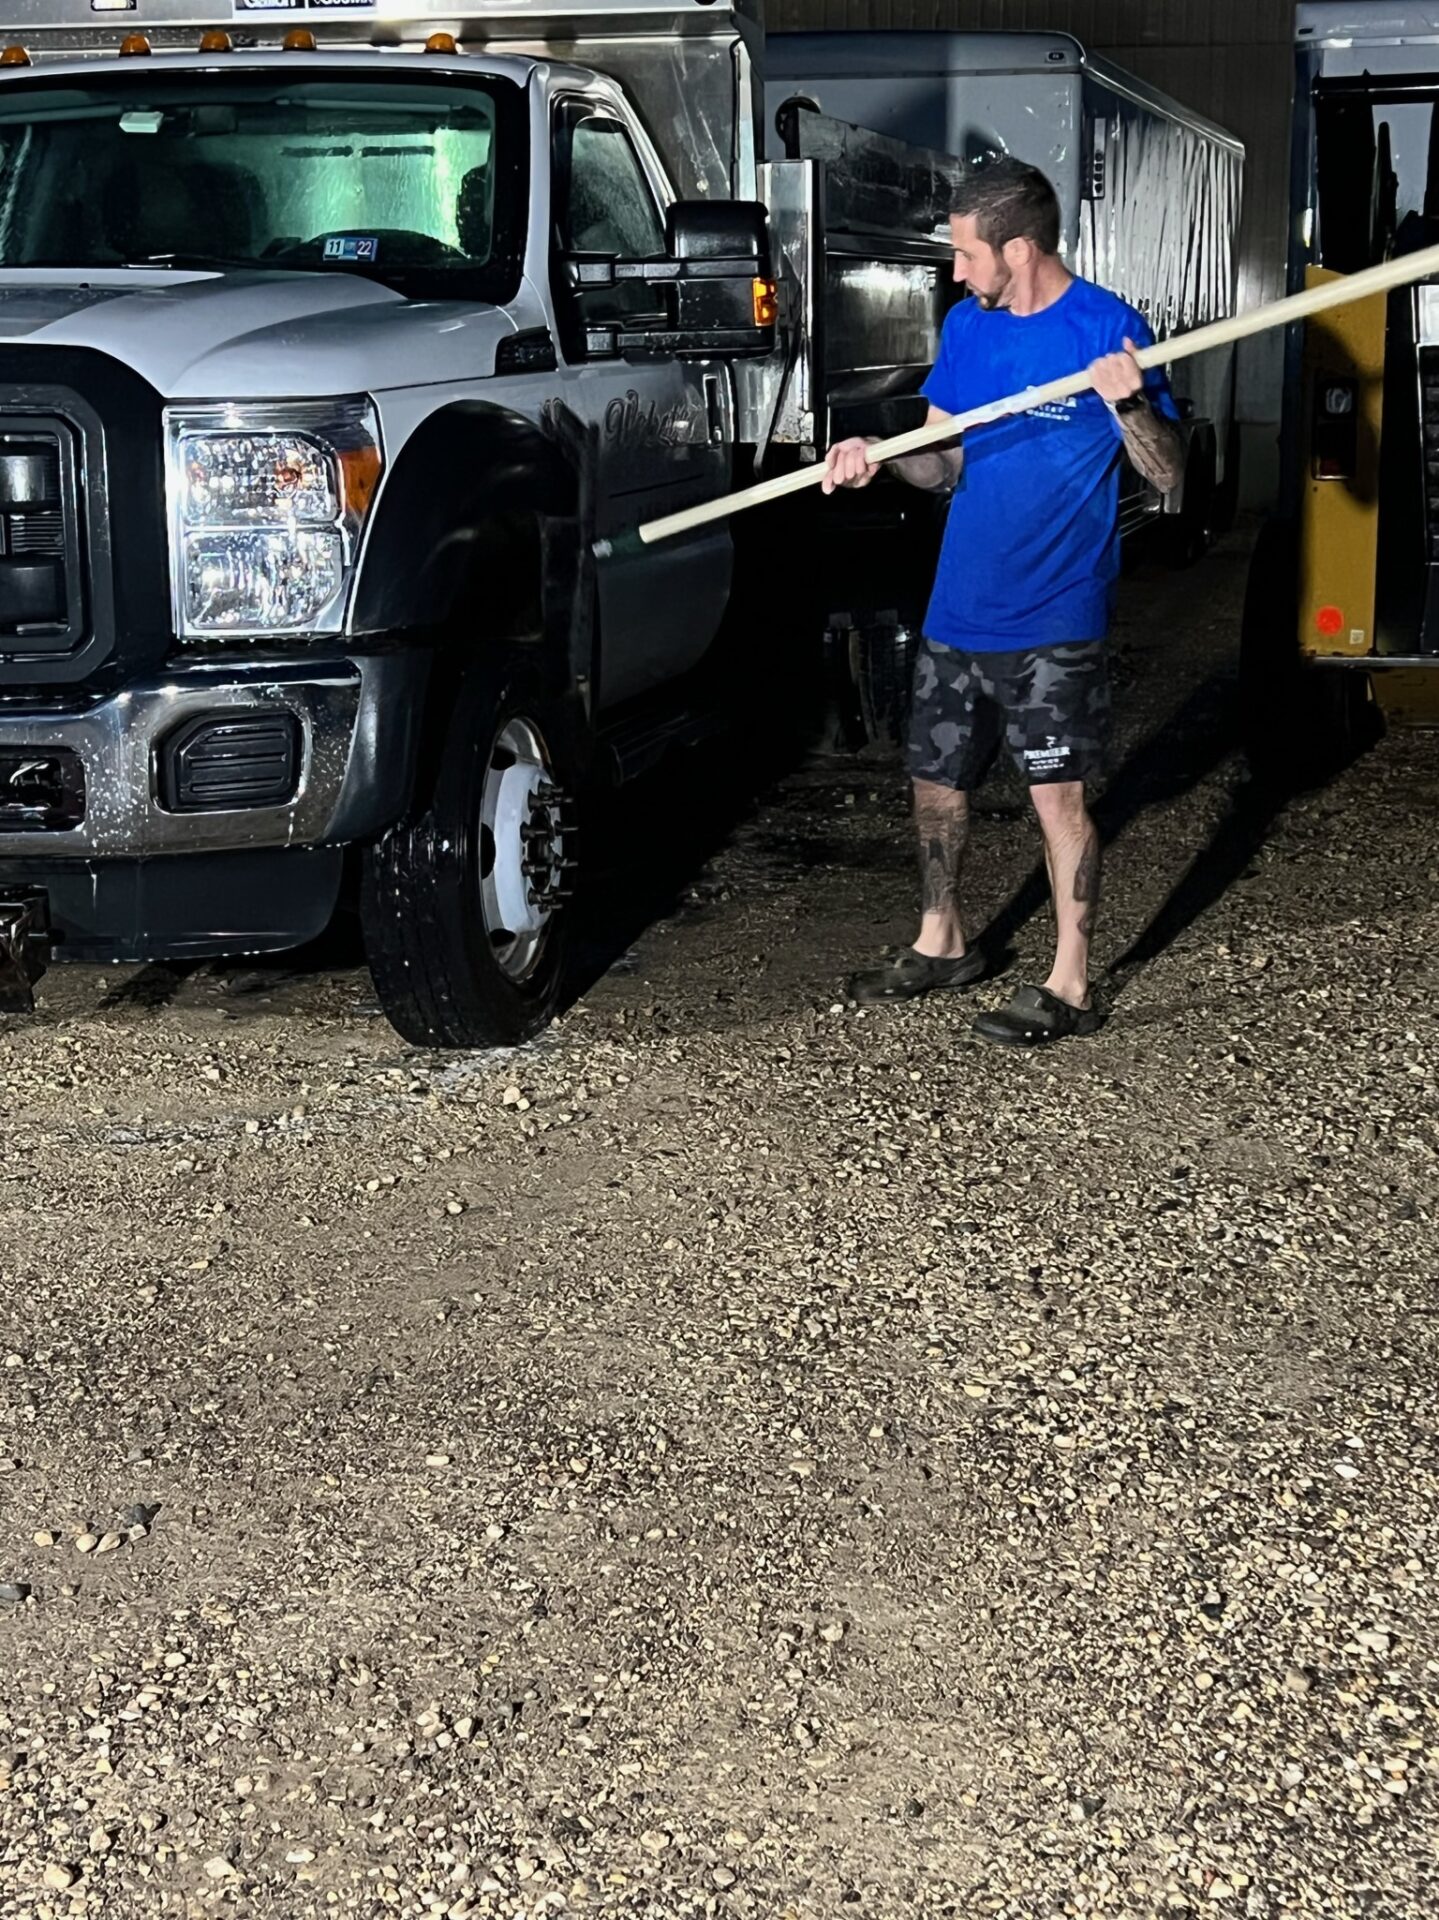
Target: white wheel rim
{"points": [[519, 829]]}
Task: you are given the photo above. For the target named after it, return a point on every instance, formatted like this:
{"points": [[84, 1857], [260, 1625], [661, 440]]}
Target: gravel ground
{"points": [[743, 1456]]}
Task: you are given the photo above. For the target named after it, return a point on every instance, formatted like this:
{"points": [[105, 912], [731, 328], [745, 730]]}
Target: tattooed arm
{"points": [[1154, 444], [936, 470], [1155, 449]]}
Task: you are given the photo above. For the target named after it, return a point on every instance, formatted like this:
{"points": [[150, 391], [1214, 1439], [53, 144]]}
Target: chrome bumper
{"points": [[345, 790]]}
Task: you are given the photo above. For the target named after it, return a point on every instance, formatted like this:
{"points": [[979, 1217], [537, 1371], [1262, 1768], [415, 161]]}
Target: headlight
{"points": [[267, 503]]}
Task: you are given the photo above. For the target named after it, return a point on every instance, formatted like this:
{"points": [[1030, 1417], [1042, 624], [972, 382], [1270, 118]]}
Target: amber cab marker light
{"points": [[298, 40], [442, 43], [14, 57], [766, 303], [214, 41], [133, 46]]}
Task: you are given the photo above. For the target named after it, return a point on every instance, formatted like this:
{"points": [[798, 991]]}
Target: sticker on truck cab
{"points": [[352, 247]]}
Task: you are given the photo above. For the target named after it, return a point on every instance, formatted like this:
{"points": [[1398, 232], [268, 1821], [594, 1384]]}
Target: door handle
{"points": [[716, 413]]}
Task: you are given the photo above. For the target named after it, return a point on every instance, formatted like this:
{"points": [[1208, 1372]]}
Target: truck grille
{"points": [[42, 607], [42, 532]]}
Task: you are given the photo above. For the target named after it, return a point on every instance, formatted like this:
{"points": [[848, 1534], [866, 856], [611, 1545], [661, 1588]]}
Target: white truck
{"points": [[335, 348]]}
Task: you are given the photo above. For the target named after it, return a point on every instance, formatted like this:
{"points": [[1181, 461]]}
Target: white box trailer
{"points": [[1149, 191]]}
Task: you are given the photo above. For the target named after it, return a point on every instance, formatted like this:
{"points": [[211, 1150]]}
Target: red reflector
{"points": [[1329, 621]]}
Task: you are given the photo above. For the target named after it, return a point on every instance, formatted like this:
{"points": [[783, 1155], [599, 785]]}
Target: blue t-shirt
{"points": [[1031, 548]]}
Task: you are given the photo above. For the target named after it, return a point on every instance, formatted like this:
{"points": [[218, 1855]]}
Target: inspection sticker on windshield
{"points": [[352, 247]]}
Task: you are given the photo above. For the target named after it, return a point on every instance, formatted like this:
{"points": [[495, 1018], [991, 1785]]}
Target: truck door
{"points": [[665, 426]]}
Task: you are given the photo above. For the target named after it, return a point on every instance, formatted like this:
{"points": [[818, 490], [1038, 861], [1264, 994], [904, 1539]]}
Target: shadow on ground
{"points": [[1190, 746]]}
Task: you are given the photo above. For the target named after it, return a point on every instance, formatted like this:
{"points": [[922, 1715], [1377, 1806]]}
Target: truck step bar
{"points": [[637, 745]]}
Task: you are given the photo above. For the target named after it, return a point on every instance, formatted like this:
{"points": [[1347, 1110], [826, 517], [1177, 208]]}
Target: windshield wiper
{"points": [[198, 262], [153, 263]]}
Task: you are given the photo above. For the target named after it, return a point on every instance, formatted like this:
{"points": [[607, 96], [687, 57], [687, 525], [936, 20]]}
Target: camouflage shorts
{"points": [[1049, 705]]}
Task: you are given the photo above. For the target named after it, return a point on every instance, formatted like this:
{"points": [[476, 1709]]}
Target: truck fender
{"points": [[465, 468]]}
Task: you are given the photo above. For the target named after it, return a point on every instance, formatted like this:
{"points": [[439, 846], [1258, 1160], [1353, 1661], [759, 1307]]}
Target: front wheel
{"points": [[464, 904]]}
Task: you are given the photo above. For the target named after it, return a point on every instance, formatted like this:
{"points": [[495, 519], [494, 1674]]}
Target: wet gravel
{"points": [[742, 1455]]}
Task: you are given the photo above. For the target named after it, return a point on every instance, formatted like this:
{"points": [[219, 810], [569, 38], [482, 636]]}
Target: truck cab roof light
{"points": [[215, 40], [442, 43], [14, 56], [133, 46], [298, 40]]}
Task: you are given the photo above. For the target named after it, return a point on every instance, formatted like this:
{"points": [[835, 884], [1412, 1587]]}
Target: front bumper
{"points": [[357, 721]]}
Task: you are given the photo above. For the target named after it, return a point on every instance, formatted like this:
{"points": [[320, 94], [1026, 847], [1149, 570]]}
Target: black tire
{"points": [[1299, 724], [444, 911], [1189, 534], [884, 671], [1339, 716]]}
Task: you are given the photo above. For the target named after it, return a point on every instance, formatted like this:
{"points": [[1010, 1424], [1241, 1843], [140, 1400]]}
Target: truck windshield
{"points": [[417, 181], [1377, 166]]}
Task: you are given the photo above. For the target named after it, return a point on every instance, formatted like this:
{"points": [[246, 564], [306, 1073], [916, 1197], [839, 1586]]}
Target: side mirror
{"points": [[726, 299], [720, 230], [715, 283]]}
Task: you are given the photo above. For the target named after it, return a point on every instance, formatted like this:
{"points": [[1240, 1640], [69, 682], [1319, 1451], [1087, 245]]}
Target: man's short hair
{"points": [[1009, 200]]}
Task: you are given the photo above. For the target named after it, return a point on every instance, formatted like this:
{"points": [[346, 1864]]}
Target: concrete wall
{"points": [[1230, 59]]}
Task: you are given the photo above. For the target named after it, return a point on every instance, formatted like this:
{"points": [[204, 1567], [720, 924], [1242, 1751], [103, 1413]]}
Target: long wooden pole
{"points": [[1222, 333]]}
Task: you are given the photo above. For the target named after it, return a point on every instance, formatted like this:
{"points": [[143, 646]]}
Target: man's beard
{"points": [[991, 301]]}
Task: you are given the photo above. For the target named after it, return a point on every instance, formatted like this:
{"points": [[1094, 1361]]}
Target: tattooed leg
{"points": [[1071, 844], [941, 818]]}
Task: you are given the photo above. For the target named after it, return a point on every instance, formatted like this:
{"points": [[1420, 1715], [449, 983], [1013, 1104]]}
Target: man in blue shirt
{"points": [[1014, 636]]}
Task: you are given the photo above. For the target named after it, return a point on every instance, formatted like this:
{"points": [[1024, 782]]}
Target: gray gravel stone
{"points": [[898, 1475]]}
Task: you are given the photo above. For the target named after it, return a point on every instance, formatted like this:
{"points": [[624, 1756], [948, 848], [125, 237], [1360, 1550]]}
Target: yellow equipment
{"points": [[1342, 618]]}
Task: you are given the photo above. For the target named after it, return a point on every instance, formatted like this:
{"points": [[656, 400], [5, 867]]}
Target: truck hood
{"points": [[252, 335]]}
